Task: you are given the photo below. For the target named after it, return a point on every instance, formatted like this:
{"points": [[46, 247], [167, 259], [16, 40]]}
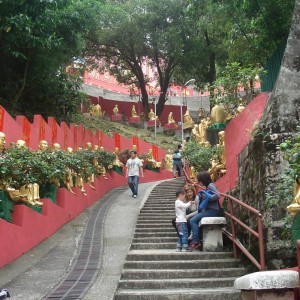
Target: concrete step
{"points": [[176, 283], [163, 226], [155, 221], [154, 229], [190, 273], [184, 264], [156, 234], [157, 214], [179, 294], [153, 245], [158, 209], [157, 240], [165, 254]]}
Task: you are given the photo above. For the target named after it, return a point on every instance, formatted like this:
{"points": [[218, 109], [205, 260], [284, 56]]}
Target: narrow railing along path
{"points": [[154, 270]]}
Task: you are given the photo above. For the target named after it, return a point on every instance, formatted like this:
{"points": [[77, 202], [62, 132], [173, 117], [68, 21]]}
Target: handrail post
{"points": [[261, 243], [233, 229]]}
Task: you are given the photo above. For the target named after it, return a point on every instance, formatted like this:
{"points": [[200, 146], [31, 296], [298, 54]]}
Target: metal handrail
{"points": [[235, 220]]}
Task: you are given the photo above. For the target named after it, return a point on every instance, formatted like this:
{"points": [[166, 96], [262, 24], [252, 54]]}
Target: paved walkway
{"points": [[44, 272]]}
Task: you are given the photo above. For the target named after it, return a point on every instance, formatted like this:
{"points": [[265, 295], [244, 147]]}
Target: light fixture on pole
{"points": [[189, 82]]}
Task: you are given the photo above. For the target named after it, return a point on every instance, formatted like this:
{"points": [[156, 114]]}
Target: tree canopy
{"points": [[40, 39]]}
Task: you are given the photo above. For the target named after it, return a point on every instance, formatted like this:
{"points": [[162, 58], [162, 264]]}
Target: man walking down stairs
{"points": [[154, 270]]}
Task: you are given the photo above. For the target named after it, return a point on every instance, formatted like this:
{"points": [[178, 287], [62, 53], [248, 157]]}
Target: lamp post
{"points": [[189, 82]]}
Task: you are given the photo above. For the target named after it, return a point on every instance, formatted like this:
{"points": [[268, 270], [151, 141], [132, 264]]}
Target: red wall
{"points": [[108, 105], [237, 136], [29, 228]]}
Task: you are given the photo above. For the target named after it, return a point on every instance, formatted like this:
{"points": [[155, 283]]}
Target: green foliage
{"points": [[199, 156], [234, 77], [39, 40], [20, 166], [291, 149]]}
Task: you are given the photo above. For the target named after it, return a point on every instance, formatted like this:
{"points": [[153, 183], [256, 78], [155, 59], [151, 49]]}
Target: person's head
{"points": [[179, 146], [190, 192], [180, 194], [204, 178], [133, 154]]}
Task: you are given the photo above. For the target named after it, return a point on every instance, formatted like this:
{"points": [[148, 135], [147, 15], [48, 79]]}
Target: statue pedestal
{"points": [[170, 126], [151, 123], [134, 119], [115, 118]]}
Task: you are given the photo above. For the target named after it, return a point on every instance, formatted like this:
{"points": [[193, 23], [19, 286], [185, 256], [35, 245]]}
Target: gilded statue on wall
{"points": [[187, 120], [218, 114], [133, 112], [152, 161], [168, 165], [218, 162], [116, 110], [295, 206]]}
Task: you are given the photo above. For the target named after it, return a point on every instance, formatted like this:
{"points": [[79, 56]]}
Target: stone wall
{"points": [[260, 164]]}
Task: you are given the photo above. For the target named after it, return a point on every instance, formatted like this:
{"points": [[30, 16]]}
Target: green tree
{"points": [[38, 41], [138, 32]]}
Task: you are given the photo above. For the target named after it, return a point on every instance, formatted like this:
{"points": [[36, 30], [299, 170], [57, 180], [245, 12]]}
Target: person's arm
{"points": [[142, 171], [183, 204], [127, 167], [215, 193]]}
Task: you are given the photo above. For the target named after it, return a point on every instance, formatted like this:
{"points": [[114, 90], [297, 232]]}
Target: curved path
{"points": [[84, 259]]}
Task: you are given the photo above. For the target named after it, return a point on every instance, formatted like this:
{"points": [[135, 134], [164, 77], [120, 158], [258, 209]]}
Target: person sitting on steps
{"points": [[208, 207]]}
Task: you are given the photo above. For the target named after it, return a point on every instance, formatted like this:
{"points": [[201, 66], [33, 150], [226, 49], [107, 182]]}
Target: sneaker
{"points": [[185, 250], [134, 196], [193, 246], [190, 238], [178, 249]]}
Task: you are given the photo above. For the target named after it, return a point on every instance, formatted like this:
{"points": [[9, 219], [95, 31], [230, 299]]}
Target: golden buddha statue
{"points": [[193, 173], [116, 110], [68, 180], [151, 115], [169, 161], [218, 162], [89, 146], [171, 119], [203, 125], [43, 145], [240, 108], [217, 114], [187, 120], [101, 148], [295, 206], [116, 161], [134, 148], [207, 144], [96, 147], [2, 141], [201, 113], [21, 144], [152, 161], [195, 134], [97, 111], [133, 112], [56, 146]]}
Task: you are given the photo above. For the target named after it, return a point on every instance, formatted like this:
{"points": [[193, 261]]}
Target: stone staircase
{"points": [[154, 270]]}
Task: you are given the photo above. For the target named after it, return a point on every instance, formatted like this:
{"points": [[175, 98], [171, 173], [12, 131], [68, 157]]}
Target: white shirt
{"points": [[180, 210], [133, 166]]}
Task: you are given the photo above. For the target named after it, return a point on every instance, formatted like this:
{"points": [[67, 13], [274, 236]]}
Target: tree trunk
{"points": [[16, 99], [212, 59], [261, 165]]}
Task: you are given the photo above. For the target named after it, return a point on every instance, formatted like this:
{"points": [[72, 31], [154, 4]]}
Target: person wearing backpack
{"points": [[208, 206]]}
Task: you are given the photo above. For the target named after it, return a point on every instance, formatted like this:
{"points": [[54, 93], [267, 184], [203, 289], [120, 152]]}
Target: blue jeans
{"points": [[133, 182], [183, 235], [196, 219]]}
